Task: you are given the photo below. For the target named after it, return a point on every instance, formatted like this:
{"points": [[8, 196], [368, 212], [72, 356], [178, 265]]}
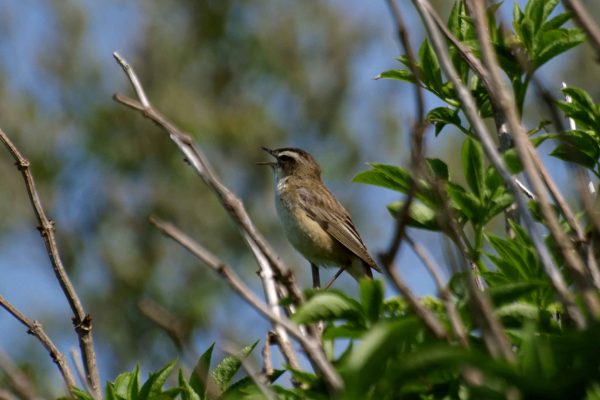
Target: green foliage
{"points": [[203, 384], [580, 145]]}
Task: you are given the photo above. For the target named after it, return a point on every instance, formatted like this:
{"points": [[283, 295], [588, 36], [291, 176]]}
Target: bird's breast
{"points": [[303, 232]]}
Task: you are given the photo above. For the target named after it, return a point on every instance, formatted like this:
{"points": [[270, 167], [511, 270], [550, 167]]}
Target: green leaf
{"points": [[465, 202], [535, 355], [512, 161], [199, 377], [387, 176], [419, 216], [579, 147], [442, 116], [126, 385], [346, 331], [472, 160], [557, 21], [229, 366], [493, 182], [398, 74], [368, 360], [187, 393], [81, 394], [430, 67], [371, 298], [550, 44], [438, 168], [498, 204], [512, 291], [329, 305], [582, 108], [519, 312], [536, 11], [153, 386]]}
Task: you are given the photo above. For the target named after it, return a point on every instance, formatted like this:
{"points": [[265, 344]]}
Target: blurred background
{"points": [[236, 75]]}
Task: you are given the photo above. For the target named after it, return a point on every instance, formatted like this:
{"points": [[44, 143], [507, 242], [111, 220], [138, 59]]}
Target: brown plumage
{"points": [[315, 222]]}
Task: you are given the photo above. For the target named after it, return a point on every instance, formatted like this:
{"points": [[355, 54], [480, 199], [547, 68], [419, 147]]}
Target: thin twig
{"points": [[490, 149], [272, 269], [266, 354], [435, 272], [35, 328], [76, 360], [20, 383], [530, 160], [312, 348], [166, 321], [81, 320], [417, 133], [417, 151]]}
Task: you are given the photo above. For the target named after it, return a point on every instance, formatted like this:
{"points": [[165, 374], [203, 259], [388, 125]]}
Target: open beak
{"points": [[269, 163]]}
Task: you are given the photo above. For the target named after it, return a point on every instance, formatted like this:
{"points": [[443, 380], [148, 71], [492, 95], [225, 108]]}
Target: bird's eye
{"points": [[285, 158]]}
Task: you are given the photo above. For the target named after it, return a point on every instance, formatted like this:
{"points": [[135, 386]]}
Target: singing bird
{"points": [[314, 221]]}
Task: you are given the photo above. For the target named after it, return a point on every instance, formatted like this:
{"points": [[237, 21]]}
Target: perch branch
{"points": [[311, 346], [271, 268]]}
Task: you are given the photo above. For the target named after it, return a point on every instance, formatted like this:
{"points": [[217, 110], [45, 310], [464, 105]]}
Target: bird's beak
{"points": [[269, 163]]}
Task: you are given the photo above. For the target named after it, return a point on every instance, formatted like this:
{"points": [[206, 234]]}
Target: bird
{"points": [[314, 221]]}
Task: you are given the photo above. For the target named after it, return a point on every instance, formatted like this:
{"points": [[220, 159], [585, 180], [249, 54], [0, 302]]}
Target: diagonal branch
{"points": [[311, 346], [17, 379], [35, 328], [272, 270], [435, 271], [81, 320]]}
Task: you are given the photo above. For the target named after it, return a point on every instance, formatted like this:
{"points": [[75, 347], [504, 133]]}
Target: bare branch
{"points": [[81, 320], [266, 354], [35, 328], [417, 135], [135, 82], [272, 270], [165, 320], [311, 346], [435, 271], [20, 382]]}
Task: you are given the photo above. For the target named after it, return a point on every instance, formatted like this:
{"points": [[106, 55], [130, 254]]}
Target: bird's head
{"points": [[292, 162]]}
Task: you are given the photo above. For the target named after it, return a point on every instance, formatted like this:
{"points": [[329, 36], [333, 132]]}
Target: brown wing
{"points": [[320, 205]]}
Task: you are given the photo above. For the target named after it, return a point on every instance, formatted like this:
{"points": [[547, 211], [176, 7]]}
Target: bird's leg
{"points": [[316, 278], [338, 273], [368, 272]]}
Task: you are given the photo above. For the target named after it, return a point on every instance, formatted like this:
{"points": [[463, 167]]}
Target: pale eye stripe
{"points": [[288, 153]]}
